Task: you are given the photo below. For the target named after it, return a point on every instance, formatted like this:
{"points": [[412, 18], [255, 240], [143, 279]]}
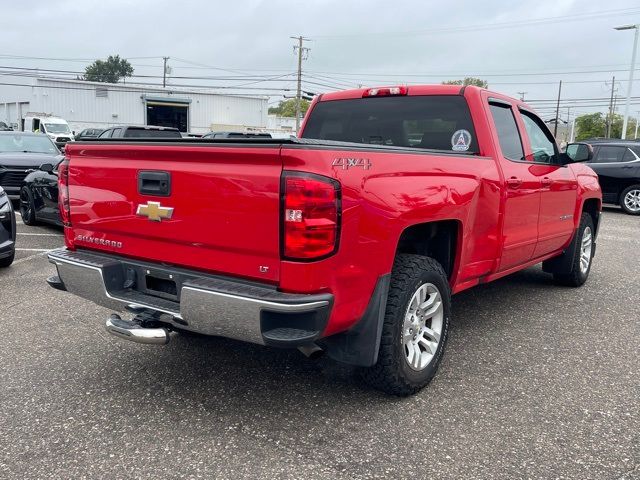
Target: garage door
{"points": [[168, 114]]}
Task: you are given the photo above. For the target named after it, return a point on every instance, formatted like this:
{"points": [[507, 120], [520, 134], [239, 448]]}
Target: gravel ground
{"points": [[538, 381]]}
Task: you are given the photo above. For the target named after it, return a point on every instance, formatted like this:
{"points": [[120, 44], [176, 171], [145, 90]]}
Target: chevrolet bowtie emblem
{"points": [[154, 211]]}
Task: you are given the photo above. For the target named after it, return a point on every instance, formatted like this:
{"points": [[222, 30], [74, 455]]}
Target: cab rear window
{"points": [[438, 122]]}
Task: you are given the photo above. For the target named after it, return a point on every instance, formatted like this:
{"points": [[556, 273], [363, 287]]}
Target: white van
{"points": [[57, 128]]}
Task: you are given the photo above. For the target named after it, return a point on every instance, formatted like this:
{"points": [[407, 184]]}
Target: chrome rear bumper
{"points": [[204, 304]]}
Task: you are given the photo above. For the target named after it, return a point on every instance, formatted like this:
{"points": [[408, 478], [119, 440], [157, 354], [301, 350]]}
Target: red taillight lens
{"points": [[385, 92], [311, 209], [63, 192]]}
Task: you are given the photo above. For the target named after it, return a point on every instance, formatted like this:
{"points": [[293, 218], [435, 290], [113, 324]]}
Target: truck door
{"points": [[558, 194], [521, 195]]}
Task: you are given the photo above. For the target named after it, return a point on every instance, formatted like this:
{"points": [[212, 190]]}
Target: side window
{"points": [[609, 154], [116, 133], [105, 134], [508, 135], [628, 156], [542, 143]]}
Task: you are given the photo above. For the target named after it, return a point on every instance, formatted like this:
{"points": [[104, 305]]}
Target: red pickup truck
{"points": [[350, 239]]}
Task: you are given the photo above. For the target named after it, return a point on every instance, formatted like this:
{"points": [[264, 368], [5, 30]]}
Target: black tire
{"points": [[6, 261], [392, 373], [623, 198], [27, 207], [577, 276]]}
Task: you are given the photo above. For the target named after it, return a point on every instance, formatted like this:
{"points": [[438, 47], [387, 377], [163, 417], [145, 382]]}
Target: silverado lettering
{"points": [[301, 244]]}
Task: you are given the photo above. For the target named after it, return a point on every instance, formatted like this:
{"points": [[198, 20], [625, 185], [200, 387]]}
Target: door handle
{"points": [[514, 182], [546, 182]]}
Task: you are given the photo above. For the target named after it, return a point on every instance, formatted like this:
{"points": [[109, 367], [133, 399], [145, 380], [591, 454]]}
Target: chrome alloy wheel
{"points": [[586, 248], [632, 200], [422, 326]]}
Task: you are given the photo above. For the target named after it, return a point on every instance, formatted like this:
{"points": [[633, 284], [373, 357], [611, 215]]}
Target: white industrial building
{"points": [[100, 105]]}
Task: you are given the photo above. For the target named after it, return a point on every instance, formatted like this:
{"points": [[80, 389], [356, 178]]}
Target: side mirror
{"points": [[579, 152], [46, 167]]}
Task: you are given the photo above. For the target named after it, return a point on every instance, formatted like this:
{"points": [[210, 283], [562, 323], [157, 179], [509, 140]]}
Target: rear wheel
{"points": [[415, 329], [630, 200], [583, 255], [27, 207]]}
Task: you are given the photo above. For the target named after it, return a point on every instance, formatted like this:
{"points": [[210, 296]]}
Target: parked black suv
{"points": [[7, 231], [133, 131], [617, 164], [88, 134], [21, 152]]}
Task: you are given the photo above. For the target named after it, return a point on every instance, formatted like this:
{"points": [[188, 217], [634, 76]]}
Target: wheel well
{"points": [[629, 183], [592, 207], [437, 240]]}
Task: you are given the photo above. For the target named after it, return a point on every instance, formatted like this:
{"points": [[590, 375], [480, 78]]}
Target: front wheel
{"points": [[6, 261], [583, 255], [415, 328], [630, 200], [27, 207]]}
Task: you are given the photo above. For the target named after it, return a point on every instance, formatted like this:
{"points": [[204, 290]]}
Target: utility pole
{"points": [[610, 119], [522, 94], [573, 130], [302, 55], [164, 72], [635, 136], [555, 128], [566, 133], [625, 121]]}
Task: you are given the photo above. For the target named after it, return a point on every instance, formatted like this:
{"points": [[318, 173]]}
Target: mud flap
{"points": [[359, 346], [563, 263]]}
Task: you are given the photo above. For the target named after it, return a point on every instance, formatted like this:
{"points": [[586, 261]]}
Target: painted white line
{"points": [[42, 234], [30, 257], [35, 249], [18, 222], [21, 260], [18, 213]]}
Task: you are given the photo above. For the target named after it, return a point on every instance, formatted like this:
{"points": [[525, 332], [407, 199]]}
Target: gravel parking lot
{"points": [[539, 381]]}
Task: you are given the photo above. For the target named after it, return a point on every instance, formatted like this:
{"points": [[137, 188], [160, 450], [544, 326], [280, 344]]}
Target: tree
{"points": [[287, 108], [110, 70], [468, 81], [616, 127], [595, 125], [590, 126]]}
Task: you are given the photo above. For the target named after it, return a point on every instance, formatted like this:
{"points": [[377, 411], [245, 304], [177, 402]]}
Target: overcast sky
{"points": [[372, 43]]}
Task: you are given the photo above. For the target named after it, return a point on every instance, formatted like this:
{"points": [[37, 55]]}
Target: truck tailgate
{"points": [[225, 201]]}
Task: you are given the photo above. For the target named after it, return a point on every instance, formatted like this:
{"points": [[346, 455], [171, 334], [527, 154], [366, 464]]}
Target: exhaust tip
{"points": [[312, 351], [134, 332]]}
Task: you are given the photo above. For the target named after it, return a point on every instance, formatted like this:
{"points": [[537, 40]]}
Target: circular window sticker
{"points": [[461, 141]]}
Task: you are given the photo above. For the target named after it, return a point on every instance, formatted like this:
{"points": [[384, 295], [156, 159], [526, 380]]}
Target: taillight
{"points": [[311, 210], [385, 92], [63, 192]]}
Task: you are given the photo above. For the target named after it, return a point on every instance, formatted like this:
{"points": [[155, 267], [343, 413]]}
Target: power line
{"points": [[151, 87], [491, 26]]}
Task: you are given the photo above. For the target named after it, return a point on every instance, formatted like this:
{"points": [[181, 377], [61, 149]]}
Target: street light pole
{"points": [[625, 122]]}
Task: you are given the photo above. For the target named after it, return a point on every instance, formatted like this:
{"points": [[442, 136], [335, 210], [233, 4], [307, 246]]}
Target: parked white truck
{"points": [[56, 128]]}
